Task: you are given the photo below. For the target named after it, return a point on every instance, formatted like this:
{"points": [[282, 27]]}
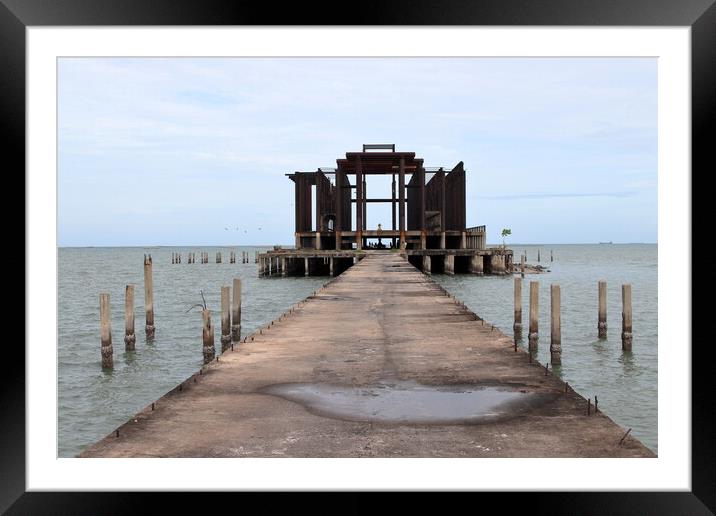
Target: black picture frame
{"points": [[700, 15]]}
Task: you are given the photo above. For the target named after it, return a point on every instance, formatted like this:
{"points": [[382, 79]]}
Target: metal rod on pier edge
{"points": [[517, 327], [602, 321], [129, 337], [105, 332], [534, 314], [225, 318], [207, 336], [148, 297], [626, 317], [236, 312], [555, 347]]}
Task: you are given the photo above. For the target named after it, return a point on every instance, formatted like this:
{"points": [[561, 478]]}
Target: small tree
{"points": [[505, 232]]}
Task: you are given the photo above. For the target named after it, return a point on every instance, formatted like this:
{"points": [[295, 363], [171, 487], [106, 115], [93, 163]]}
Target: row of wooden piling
{"points": [[556, 318], [204, 257], [523, 256], [230, 319]]}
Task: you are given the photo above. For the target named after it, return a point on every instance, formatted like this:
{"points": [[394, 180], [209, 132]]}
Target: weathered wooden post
{"points": [[626, 317], [218, 257], [148, 297], [602, 320], [105, 332], [283, 266], [225, 319], [517, 328], [236, 312], [534, 314], [207, 336], [555, 347], [172, 258], [522, 266], [538, 257], [179, 257], [551, 256], [129, 337]]}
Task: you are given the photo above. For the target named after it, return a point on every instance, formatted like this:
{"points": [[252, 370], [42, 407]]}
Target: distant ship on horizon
{"points": [[605, 242]]}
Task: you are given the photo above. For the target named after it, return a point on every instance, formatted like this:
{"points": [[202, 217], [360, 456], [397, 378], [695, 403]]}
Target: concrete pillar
{"points": [[339, 240], [105, 332], [298, 241], [476, 265], [129, 337], [463, 240], [626, 317], [283, 266], [555, 347], [225, 318], [359, 204], [401, 201], [497, 264], [449, 264], [330, 265], [517, 327], [534, 314], [427, 262], [305, 266], [270, 265], [442, 240], [318, 239], [207, 336], [602, 317], [423, 240], [148, 297], [236, 312]]}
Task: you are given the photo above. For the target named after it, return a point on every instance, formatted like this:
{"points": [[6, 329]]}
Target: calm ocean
{"points": [[92, 402]]}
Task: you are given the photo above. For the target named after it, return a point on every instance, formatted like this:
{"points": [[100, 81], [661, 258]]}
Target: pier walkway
{"points": [[379, 363]]}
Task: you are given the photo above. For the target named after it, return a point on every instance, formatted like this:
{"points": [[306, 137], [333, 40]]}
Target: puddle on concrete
{"points": [[410, 402]]}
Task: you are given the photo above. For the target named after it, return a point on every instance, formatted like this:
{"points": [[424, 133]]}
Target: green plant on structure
{"points": [[505, 232]]}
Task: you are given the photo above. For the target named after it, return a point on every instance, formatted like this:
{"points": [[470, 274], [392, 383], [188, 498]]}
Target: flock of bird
{"points": [[236, 229]]}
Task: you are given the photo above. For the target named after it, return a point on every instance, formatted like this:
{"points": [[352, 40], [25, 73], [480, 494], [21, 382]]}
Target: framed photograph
{"points": [[445, 149]]}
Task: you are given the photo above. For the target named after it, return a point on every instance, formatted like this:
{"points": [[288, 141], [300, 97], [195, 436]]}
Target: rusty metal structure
{"points": [[428, 215]]}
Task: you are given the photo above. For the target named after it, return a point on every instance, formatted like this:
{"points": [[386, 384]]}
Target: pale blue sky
{"points": [[173, 151]]}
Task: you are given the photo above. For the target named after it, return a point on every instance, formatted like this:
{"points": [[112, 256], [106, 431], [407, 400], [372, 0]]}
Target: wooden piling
{"points": [[538, 256], [225, 318], [105, 332], [555, 347], [305, 266], [207, 336], [626, 317], [173, 259], [236, 312], [148, 297], [534, 314], [517, 327], [218, 257], [551, 256], [522, 265], [129, 337], [602, 317]]}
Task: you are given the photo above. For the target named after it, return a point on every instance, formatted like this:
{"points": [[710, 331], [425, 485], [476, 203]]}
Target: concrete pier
{"points": [[380, 322]]}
